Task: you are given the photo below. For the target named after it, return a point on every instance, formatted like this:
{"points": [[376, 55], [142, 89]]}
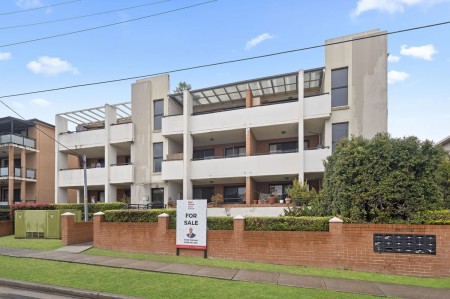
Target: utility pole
{"points": [[85, 189]]}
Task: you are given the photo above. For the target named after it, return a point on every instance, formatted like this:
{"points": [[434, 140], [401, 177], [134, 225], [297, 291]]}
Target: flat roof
{"points": [[97, 114], [277, 84]]}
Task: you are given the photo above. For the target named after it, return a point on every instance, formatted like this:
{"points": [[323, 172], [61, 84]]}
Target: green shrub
{"points": [[220, 223], [92, 208], [436, 217], [287, 223], [140, 216], [4, 214]]}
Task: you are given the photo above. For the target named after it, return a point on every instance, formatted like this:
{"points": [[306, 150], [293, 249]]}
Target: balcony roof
{"points": [[96, 115], [260, 87], [14, 125]]}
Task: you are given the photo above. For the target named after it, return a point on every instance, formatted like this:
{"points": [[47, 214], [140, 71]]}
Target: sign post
{"points": [[191, 224]]}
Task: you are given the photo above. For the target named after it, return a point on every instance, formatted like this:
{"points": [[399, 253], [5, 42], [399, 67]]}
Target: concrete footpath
{"points": [[294, 280]]}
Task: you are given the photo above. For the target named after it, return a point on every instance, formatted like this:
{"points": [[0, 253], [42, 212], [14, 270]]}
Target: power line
{"points": [[36, 8], [17, 113], [80, 17], [227, 61], [107, 25]]}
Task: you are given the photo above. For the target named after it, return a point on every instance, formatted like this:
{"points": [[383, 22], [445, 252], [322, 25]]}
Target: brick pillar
{"points": [[163, 223], [250, 142], [335, 228], [67, 223], [249, 190], [23, 183], [248, 98], [99, 217], [11, 175], [239, 224]]}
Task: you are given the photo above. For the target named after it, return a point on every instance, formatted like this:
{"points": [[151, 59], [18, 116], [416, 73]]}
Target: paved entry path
{"points": [[294, 280]]}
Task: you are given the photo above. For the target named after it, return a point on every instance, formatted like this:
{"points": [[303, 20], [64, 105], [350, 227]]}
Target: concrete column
{"points": [[301, 127], [188, 144], [110, 153], [11, 175], [61, 194], [79, 196], [23, 183], [248, 97]]}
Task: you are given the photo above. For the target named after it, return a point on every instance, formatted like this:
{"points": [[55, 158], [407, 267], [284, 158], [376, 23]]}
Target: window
{"points": [[339, 131], [280, 190], [235, 151], [283, 147], [158, 195], [305, 144], [158, 112], [203, 193], [339, 87], [234, 194], [157, 156], [203, 154]]}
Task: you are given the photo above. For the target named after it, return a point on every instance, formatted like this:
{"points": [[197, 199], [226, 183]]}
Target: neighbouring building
{"points": [[27, 165], [445, 143], [239, 139]]}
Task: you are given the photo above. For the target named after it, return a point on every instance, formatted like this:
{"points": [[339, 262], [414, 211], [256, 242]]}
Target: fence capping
{"points": [[336, 220], [99, 214], [163, 215], [68, 214], [239, 217]]}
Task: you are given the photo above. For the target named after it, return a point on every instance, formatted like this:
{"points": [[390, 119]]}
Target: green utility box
{"points": [[40, 224]]}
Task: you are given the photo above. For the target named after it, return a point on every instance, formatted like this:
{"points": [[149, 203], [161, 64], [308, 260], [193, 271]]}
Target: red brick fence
{"points": [[344, 246], [6, 228]]}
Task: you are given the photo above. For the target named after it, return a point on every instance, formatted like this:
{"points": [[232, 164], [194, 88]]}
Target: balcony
{"points": [[172, 124], [18, 140], [83, 139], [121, 174], [121, 133], [274, 164], [317, 106], [75, 178], [280, 113], [314, 159], [29, 174], [172, 170]]}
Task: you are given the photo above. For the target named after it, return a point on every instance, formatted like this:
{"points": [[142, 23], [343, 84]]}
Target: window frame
{"points": [[334, 141], [158, 116], [234, 199], [340, 87], [282, 151], [203, 156], [157, 158], [234, 148]]}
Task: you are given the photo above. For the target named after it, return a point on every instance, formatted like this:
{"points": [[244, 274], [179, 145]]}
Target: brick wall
{"points": [[75, 232], [6, 228], [344, 246]]}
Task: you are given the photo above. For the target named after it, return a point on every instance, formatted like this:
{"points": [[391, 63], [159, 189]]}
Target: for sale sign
{"points": [[191, 224]]}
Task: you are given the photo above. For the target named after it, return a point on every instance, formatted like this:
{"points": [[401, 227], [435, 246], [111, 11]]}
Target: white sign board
{"points": [[191, 224]]}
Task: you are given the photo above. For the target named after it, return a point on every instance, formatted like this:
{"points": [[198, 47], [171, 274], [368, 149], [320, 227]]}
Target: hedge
{"points": [[214, 223], [4, 214], [436, 217], [92, 208], [287, 223], [226, 223]]}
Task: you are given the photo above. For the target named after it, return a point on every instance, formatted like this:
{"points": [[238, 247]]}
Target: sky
{"points": [[418, 69]]}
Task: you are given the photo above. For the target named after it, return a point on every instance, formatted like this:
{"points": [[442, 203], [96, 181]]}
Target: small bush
{"points": [[220, 223], [4, 214], [92, 208], [436, 217], [287, 223], [140, 216]]}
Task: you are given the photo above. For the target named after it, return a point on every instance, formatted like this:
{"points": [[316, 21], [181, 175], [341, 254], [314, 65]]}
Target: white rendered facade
{"points": [[240, 139]]}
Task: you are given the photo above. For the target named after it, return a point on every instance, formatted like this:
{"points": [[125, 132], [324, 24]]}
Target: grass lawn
{"points": [[39, 244], [148, 284], [443, 282]]}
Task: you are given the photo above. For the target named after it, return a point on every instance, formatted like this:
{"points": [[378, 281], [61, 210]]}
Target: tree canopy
{"points": [[182, 86], [384, 179]]}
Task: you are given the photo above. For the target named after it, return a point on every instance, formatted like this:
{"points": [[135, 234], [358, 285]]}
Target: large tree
{"points": [[384, 179]]}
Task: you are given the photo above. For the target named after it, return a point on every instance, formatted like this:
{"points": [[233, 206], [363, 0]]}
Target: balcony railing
{"points": [[17, 139], [29, 174]]}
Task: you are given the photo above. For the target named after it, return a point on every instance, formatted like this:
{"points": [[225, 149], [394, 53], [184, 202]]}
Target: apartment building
{"points": [[244, 139], [26, 161], [445, 143]]}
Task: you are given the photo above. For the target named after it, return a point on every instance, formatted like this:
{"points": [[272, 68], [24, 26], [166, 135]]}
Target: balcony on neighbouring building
{"points": [[75, 177], [314, 159], [18, 140], [30, 173], [172, 124], [172, 170]]}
